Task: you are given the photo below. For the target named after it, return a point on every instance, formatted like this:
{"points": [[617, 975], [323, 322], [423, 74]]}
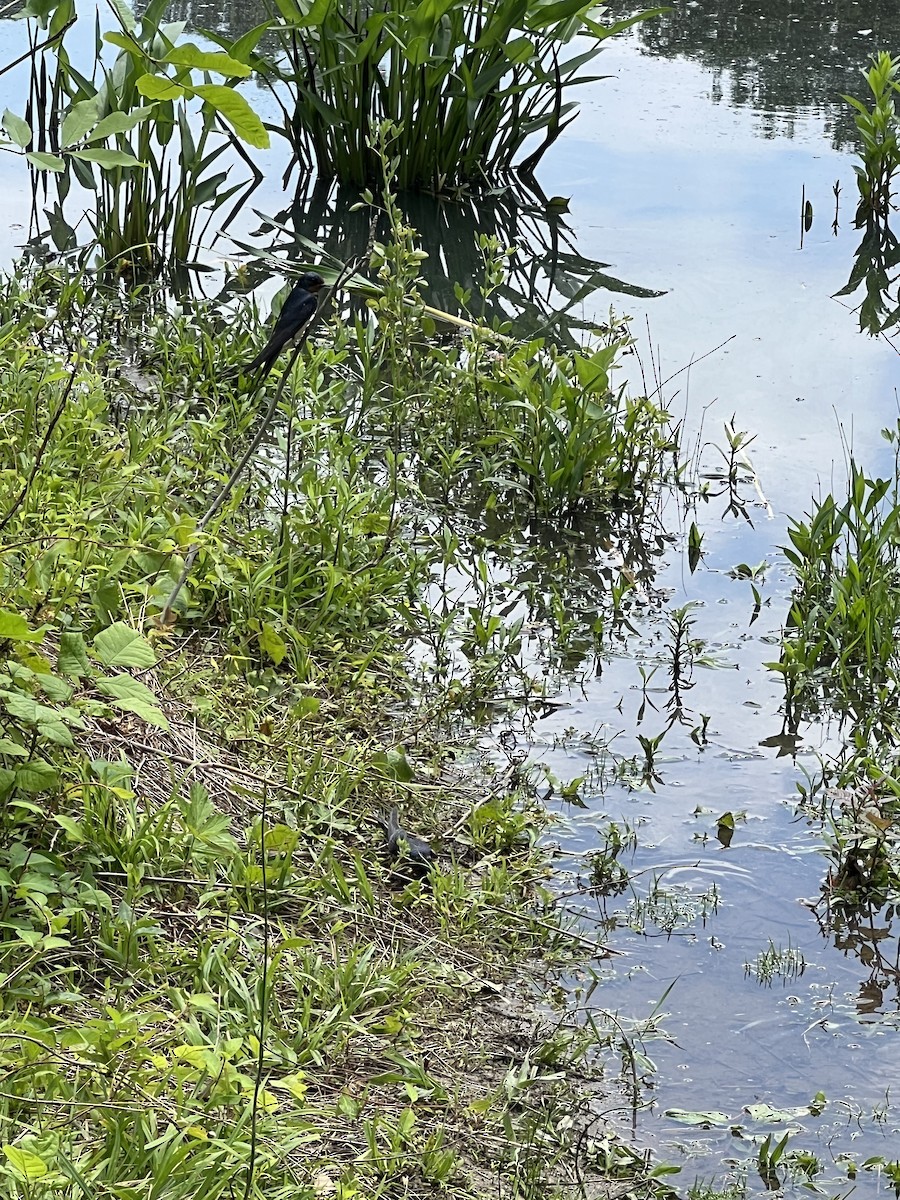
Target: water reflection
{"points": [[777, 58], [549, 282]]}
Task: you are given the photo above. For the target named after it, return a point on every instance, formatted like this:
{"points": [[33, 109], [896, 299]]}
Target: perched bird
{"points": [[296, 312], [413, 850]]}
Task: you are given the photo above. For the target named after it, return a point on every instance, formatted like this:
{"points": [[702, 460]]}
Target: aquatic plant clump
{"points": [[467, 85]]}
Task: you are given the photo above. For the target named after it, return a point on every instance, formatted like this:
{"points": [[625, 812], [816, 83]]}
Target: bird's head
{"points": [[310, 281]]}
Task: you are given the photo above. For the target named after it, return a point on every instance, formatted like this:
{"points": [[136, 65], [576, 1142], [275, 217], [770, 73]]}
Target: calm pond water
{"points": [[685, 171]]}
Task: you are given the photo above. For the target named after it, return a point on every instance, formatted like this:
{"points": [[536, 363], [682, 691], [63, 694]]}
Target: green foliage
{"points": [[878, 254], [465, 86], [839, 643], [877, 127], [144, 135]]}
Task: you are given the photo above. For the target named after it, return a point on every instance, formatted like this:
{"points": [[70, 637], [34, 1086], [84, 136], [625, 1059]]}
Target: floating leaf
{"points": [[122, 646], [765, 1112], [703, 1119]]}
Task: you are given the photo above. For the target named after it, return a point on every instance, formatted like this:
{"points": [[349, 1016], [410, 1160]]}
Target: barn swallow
{"points": [[409, 848], [296, 312]]}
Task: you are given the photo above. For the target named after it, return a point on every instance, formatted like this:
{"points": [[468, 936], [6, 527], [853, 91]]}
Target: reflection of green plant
{"points": [[671, 908], [768, 1159], [466, 86]]}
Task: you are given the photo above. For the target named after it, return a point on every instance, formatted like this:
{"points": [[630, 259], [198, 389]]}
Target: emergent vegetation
{"points": [[466, 85]]}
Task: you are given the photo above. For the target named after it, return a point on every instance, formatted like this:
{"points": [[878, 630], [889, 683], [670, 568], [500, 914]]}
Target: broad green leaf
{"points": [[36, 776], [121, 122], [519, 50], [24, 708], [55, 688], [272, 644], [237, 112], [294, 1083], [79, 119], [132, 696], [124, 42], [45, 162], [122, 646], [18, 130], [25, 1163], [158, 87], [63, 13], [73, 828], [147, 712], [124, 13], [55, 731], [116, 775], [394, 764], [190, 55], [14, 628], [12, 749], [108, 158], [126, 687], [72, 659], [318, 11]]}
